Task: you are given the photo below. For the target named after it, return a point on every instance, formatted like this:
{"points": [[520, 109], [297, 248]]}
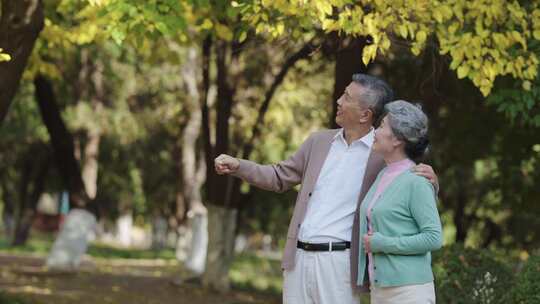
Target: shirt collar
{"points": [[366, 139]]}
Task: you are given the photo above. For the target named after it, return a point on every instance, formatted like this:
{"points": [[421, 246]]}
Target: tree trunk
{"points": [[218, 188], [8, 212], [348, 62], [193, 170], [32, 185], [72, 241], [460, 216], [223, 192], [220, 247], [159, 231], [90, 164], [21, 22], [61, 140], [124, 225], [97, 99]]}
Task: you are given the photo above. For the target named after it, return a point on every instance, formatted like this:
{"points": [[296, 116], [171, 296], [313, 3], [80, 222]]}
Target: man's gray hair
{"points": [[376, 94], [409, 123]]}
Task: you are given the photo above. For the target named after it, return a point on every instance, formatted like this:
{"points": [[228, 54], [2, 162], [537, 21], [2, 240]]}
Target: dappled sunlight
{"points": [[128, 281], [29, 289]]}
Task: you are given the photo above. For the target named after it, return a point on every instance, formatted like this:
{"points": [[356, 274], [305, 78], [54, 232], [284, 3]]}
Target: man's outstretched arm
{"points": [[278, 177]]}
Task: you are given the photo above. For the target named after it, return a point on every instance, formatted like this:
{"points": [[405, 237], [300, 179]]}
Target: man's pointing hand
{"points": [[226, 164]]}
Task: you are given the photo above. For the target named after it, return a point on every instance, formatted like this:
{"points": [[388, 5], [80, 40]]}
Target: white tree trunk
{"points": [[90, 166], [196, 260], [124, 225], [183, 242], [72, 241], [220, 247], [159, 232]]}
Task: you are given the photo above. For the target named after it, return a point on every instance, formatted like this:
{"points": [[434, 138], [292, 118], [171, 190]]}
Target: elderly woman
{"points": [[399, 221]]}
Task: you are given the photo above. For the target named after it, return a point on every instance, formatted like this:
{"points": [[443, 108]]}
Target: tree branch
{"points": [[303, 53]]}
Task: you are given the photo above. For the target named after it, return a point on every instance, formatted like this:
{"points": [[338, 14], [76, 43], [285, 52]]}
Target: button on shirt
{"points": [[333, 202]]}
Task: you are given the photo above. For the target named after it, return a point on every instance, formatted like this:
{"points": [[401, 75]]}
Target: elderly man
{"points": [[335, 168]]}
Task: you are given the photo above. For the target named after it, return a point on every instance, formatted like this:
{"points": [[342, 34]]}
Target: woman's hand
{"points": [[367, 246]]}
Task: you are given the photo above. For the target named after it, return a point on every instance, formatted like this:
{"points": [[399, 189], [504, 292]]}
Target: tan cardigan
{"points": [[304, 167]]}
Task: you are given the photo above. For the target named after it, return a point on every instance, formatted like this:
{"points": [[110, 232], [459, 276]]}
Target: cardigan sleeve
{"points": [[423, 208], [278, 177]]}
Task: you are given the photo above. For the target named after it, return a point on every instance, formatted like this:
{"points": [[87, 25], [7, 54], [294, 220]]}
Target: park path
{"points": [[111, 281]]}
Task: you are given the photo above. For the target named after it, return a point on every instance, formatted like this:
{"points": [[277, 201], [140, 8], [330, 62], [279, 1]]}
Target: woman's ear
{"points": [[397, 142]]}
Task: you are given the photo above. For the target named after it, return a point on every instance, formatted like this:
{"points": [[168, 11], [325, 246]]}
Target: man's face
{"points": [[351, 110]]}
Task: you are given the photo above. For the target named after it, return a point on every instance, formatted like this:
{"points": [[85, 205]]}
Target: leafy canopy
{"points": [[483, 38]]}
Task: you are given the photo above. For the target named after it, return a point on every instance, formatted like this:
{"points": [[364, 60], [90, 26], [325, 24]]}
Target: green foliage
{"points": [[526, 289], [107, 252], [518, 101], [483, 40], [9, 299], [253, 272], [464, 276], [488, 167], [39, 245]]}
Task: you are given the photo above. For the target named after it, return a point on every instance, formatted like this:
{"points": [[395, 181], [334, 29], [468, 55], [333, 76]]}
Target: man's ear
{"points": [[367, 116]]}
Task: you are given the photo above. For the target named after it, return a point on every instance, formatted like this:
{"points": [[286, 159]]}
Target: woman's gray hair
{"points": [[409, 123]]}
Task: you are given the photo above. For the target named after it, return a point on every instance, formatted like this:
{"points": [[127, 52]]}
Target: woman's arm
{"points": [[423, 207]]}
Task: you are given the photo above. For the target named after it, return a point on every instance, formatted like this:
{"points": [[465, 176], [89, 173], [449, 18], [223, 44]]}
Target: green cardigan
{"points": [[407, 228]]}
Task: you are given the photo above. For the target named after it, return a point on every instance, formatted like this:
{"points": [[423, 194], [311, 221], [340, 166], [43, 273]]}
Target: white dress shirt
{"points": [[333, 202]]}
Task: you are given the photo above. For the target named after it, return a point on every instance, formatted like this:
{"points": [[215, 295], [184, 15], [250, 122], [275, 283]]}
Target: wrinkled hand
{"points": [[367, 245], [226, 164], [427, 172]]}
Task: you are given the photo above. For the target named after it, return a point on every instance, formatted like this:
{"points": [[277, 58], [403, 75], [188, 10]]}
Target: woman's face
{"points": [[385, 141]]}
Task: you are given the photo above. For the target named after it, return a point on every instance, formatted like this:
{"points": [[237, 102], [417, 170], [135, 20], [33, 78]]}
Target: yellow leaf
{"points": [[415, 50], [4, 57], [280, 28], [517, 35], [324, 7], [328, 24], [242, 37], [385, 44], [369, 53], [485, 90], [438, 16], [403, 31], [421, 36], [536, 34], [462, 71], [207, 24], [224, 32], [526, 85]]}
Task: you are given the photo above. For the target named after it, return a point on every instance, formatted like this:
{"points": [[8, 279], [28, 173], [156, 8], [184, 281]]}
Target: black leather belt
{"points": [[334, 246]]}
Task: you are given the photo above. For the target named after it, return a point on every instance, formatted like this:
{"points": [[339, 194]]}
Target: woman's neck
{"points": [[394, 157]]}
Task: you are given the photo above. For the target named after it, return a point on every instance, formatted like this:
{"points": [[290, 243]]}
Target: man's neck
{"points": [[352, 134]]}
